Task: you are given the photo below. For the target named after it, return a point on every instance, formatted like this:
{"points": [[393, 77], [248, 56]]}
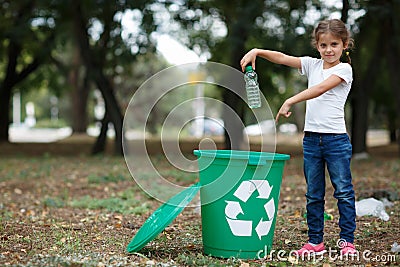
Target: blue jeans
{"points": [[333, 151]]}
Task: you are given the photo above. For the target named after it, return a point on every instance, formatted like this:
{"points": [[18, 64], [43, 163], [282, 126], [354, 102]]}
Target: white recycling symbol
{"points": [[233, 209]]}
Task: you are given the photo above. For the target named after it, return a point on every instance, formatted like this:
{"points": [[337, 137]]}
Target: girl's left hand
{"points": [[284, 111]]}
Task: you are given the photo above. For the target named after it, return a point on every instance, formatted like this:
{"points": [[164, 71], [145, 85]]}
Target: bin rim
{"points": [[241, 154]]}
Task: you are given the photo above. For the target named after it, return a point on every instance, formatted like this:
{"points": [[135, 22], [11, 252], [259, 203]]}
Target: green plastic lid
{"points": [[248, 68], [161, 218]]}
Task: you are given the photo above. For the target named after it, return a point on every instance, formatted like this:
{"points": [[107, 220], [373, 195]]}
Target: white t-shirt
{"points": [[325, 113]]}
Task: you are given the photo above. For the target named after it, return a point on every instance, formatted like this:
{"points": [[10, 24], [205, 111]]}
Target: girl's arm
{"points": [[273, 56], [307, 94]]}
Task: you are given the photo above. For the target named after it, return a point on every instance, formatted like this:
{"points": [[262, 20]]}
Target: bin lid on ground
{"points": [[161, 218]]}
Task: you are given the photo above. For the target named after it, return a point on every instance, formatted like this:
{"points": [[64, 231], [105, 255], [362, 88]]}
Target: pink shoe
{"points": [[312, 250], [348, 249]]}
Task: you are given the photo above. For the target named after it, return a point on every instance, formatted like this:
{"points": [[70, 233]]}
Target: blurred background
{"points": [[71, 67]]}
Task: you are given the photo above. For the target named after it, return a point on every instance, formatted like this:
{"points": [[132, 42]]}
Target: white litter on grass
{"points": [[395, 247], [372, 206]]}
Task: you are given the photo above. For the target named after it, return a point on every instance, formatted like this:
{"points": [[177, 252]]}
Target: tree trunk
{"points": [[239, 23], [363, 83], [12, 77], [5, 96], [360, 102], [392, 136], [345, 10], [6, 87], [359, 120], [392, 56], [233, 124], [112, 107], [95, 71], [79, 94], [101, 141]]}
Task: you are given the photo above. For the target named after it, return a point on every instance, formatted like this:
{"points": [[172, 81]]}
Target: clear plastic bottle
{"points": [[380, 212], [252, 89]]}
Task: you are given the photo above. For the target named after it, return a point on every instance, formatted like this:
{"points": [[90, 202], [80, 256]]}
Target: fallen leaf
{"points": [[297, 214], [17, 191], [293, 260], [118, 217], [30, 213], [288, 198], [150, 262]]}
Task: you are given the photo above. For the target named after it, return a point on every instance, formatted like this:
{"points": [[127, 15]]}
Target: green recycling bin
{"points": [[239, 201]]}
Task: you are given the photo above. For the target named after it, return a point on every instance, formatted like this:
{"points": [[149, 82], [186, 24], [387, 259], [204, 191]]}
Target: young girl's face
{"points": [[330, 48]]}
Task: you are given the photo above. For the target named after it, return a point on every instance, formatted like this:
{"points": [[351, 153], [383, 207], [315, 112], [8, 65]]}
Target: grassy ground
{"points": [[60, 207]]}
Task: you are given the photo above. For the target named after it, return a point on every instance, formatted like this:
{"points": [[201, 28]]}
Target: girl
{"points": [[325, 139]]}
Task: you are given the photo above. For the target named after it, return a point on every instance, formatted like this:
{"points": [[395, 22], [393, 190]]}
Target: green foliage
{"points": [[99, 179], [203, 260], [111, 204], [125, 203], [179, 176], [53, 202]]}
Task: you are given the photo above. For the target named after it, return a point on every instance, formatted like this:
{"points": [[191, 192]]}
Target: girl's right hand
{"points": [[249, 58]]}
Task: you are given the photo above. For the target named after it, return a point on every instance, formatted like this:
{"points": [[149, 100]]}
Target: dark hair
{"points": [[337, 28]]}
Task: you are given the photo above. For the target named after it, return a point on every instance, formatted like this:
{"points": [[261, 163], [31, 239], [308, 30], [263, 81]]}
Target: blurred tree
{"points": [[391, 39], [69, 65], [93, 56], [217, 28], [103, 55], [239, 19], [24, 47], [375, 59], [29, 30]]}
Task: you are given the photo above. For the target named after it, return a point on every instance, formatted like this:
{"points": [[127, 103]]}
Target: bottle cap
{"points": [[248, 68]]}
